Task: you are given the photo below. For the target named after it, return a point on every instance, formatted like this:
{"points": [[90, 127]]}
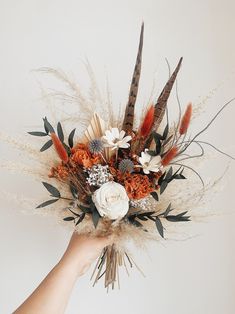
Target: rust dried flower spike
{"points": [[115, 177]]}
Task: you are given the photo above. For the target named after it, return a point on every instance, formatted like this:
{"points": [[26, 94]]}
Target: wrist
{"points": [[76, 266]]}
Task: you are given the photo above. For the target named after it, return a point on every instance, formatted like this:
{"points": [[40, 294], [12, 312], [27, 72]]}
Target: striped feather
{"points": [[161, 104], [130, 107]]}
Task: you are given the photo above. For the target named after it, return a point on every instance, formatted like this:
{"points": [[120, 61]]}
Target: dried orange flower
{"points": [[138, 186], [60, 172], [83, 157]]}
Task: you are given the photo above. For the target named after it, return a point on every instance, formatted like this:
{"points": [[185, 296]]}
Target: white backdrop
{"points": [[193, 276]]}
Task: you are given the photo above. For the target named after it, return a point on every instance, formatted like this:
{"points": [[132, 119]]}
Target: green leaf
{"points": [[85, 209], [46, 146], [68, 150], [135, 223], [159, 227], [73, 190], [142, 218], [155, 196], [161, 179], [165, 133], [51, 189], [172, 218], [68, 219], [169, 174], [48, 203], [168, 210], [179, 217], [163, 186], [168, 140], [80, 218], [37, 133], [48, 127], [70, 139], [157, 137], [151, 152], [60, 132], [95, 217]]}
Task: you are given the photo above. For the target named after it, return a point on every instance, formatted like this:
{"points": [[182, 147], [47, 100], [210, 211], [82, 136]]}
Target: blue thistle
{"points": [[126, 165], [96, 146]]}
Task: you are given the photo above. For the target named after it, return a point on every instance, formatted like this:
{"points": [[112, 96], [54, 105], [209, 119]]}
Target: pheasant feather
{"points": [[130, 107]]}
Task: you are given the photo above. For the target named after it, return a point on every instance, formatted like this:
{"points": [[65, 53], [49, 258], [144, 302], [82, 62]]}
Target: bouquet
{"points": [[111, 180]]}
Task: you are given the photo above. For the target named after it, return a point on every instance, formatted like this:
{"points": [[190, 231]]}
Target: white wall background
{"points": [[194, 276]]}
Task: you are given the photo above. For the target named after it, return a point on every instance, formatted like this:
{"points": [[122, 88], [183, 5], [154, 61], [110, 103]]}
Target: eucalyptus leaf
{"points": [[163, 186], [44, 204], [155, 196], [151, 152], [168, 140], [51, 189], [161, 179], [95, 218], [135, 223], [60, 132], [169, 174], [46, 146], [47, 126], [80, 218], [165, 133], [68, 219], [73, 190], [85, 209], [68, 150], [168, 210], [70, 139], [159, 227], [37, 133], [142, 218]]}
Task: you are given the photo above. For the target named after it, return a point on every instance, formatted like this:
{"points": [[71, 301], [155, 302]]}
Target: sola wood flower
{"points": [[115, 139], [150, 163], [111, 200]]}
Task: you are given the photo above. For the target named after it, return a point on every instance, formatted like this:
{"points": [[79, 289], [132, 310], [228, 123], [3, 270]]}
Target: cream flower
{"points": [[150, 163], [111, 200], [115, 139]]}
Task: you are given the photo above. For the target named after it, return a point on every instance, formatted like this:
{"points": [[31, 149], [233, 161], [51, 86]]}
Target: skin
{"points": [[52, 295]]}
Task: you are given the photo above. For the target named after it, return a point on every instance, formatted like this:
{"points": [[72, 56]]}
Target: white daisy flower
{"points": [[115, 139], [150, 163]]}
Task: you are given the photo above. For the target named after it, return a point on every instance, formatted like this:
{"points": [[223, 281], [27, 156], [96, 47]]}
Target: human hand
{"points": [[82, 251]]}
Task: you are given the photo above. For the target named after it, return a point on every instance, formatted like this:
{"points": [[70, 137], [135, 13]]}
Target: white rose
{"points": [[111, 200]]}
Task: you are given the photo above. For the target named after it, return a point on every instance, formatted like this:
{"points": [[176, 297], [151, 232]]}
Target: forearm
{"points": [[52, 295]]}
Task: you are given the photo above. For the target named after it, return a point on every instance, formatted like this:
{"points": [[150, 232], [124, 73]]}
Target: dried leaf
{"points": [[159, 227], [60, 132], [163, 186], [37, 133], [46, 146], [44, 204], [70, 139], [80, 219], [155, 196], [51, 189], [48, 127], [68, 219], [95, 218]]}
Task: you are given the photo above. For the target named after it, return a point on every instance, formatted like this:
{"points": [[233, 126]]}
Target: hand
{"points": [[82, 251], [52, 295]]}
